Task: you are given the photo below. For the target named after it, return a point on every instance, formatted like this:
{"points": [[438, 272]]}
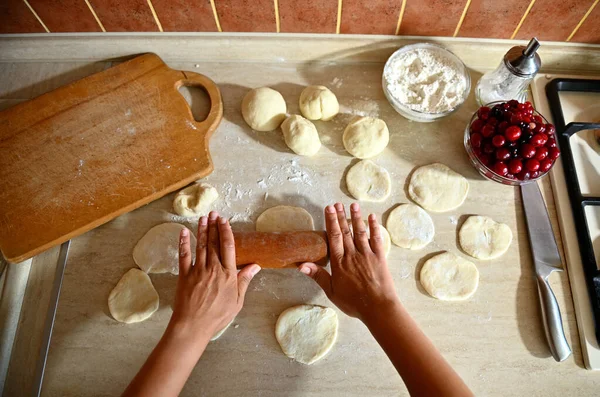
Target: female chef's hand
{"points": [[210, 293], [360, 280]]}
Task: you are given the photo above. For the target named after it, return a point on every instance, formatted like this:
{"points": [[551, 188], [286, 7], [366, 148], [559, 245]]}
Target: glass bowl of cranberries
{"points": [[511, 143]]}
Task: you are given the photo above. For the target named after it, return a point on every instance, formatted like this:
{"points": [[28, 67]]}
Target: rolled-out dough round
{"points": [[317, 102], [195, 200], [221, 332], [483, 238], [306, 333], [410, 226], [134, 298], [301, 135], [366, 181], [263, 109], [284, 218], [437, 188], [158, 250], [365, 137], [449, 277]]}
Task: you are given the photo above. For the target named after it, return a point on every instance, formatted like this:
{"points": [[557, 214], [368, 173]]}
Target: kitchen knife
{"points": [[546, 260]]}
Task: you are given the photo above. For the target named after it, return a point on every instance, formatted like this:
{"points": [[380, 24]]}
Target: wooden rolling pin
{"points": [[280, 250]]}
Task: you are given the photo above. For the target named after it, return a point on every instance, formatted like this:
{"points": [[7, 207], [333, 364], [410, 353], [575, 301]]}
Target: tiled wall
{"points": [[559, 20]]}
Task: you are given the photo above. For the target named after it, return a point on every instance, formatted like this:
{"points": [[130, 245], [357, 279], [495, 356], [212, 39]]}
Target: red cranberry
{"points": [[502, 154], [477, 125], [532, 165], [532, 126], [528, 105], [492, 120], [540, 128], [553, 153], [502, 126], [488, 130], [488, 148], [512, 133], [527, 151], [538, 119], [485, 159], [498, 140], [515, 166], [523, 175], [539, 140], [551, 143], [484, 112], [515, 119], [550, 129], [476, 139], [545, 165], [513, 103], [541, 153], [535, 174], [500, 168]]}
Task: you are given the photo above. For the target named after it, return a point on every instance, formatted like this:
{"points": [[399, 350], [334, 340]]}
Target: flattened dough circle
{"points": [[134, 298], [367, 181], [284, 218], [307, 333], [410, 226], [158, 250], [366, 137], [483, 238], [437, 188], [449, 277]]}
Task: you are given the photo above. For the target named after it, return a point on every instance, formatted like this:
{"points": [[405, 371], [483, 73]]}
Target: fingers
{"points": [[376, 240], [227, 244], [213, 245], [334, 235], [346, 233], [185, 253], [318, 274], [360, 233], [244, 277], [202, 241]]}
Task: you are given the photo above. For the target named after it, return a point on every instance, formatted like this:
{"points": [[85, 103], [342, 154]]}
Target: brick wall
{"points": [[557, 20]]}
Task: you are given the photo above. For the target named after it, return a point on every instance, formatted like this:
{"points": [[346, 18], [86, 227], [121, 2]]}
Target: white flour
{"points": [[425, 80]]}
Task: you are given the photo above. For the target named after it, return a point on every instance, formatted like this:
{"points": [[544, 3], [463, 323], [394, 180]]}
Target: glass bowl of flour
{"points": [[425, 82]]}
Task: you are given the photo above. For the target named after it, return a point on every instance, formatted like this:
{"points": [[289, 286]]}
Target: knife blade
{"points": [[546, 259]]}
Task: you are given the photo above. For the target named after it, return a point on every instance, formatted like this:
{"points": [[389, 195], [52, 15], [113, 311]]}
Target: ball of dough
{"points": [[307, 333], [284, 218], [483, 238], [317, 102], [301, 135], [410, 227], [195, 200], [366, 137], [263, 109], [158, 250], [367, 181], [449, 278], [437, 188], [134, 298]]}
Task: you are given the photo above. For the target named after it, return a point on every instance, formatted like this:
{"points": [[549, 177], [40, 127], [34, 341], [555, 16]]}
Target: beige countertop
{"points": [[495, 340]]}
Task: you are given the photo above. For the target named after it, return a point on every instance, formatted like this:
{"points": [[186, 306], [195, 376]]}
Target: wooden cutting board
{"points": [[81, 155]]}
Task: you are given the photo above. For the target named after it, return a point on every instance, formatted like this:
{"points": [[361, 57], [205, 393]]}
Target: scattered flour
{"points": [[425, 80]]}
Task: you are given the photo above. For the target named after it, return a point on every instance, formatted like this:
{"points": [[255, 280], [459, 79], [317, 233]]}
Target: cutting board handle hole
{"points": [[198, 100]]}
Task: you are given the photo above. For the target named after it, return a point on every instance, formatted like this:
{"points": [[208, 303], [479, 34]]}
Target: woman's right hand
{"points": [[360, 281]]}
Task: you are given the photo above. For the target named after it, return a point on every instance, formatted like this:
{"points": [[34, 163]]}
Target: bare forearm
{"points": [[169, 365], [419, 363]]}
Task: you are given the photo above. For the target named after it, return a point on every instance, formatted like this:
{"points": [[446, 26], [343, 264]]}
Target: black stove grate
{"points": [[577, 199]]}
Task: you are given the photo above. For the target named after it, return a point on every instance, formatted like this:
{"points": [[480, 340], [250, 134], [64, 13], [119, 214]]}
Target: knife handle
{"points": [[553, 327]]}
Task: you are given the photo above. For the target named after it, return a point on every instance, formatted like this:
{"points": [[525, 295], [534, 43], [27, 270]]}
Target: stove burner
{"points": [[578, 201]]}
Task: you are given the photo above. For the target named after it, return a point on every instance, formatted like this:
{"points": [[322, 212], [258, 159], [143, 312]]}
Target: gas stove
{"points": [[573, 104]]}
